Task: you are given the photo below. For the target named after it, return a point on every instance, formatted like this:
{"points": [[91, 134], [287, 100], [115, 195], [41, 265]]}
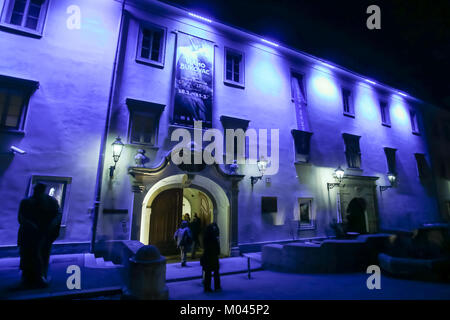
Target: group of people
{"points": [[187, 238]]}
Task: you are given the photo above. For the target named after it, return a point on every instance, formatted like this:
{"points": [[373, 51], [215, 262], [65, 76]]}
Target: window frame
{"points": [[351, 106], [6, 14], [414, 120], [155, 128], [241, 82], [312, 218], [23, 87], [422, 156], [162, 50], [146, 108], [347, 150], [67, 181], [384, 105]]}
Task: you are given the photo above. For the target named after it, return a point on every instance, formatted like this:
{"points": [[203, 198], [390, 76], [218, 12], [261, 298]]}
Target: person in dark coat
{"points": [[210, 258], [40, 219], [195, 227], [183, 238]]}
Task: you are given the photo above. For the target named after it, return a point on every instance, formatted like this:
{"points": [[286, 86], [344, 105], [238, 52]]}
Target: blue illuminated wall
{"points": [[67, 114]]}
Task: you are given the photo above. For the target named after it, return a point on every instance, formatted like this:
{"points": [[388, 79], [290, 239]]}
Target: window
{"points": [[305, 218], [144, 122], [234, 67], [390, 158], [414, 123], [239, 145], [151, 45], [423, 168], [298, 96], [347, 103], [269, 204], [142, 128], [352, 150], [14, 96], [57, 187], [385, 116], [25, 15]]}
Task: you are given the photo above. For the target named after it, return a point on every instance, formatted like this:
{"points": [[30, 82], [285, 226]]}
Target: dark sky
{"points": [[409, 53]]}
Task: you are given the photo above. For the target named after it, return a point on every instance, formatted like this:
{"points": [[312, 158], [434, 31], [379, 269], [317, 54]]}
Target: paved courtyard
{"points": [[285, 286]]}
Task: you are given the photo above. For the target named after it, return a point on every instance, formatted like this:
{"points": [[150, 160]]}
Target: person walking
{"points": [[210, 258], [195, 227], [40, 219], [183, 238]]}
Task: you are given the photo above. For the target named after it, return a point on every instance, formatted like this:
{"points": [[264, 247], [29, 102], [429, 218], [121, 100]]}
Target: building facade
{"points": [[142, 71]]}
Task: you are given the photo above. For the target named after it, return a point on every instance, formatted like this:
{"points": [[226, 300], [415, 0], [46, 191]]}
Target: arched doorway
{"points": [[356, 215], [213, 204]]}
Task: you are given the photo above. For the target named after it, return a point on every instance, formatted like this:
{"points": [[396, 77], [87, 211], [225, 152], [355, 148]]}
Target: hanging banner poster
{"points": [[193, 80]]}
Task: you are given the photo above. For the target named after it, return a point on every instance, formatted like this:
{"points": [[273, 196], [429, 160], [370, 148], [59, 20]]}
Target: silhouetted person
{"points": [[183, 238], [39, 219], [210, 258], [187, 218], [195, 227]]}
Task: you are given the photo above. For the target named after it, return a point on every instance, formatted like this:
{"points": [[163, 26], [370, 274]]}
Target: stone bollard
{"points": [[147, 275]]}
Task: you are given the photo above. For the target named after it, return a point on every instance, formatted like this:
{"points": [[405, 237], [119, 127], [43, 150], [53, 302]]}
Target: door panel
{"points": [[165, 219]]}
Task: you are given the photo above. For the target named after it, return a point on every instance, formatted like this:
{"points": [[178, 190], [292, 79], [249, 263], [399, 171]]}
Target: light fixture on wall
{"points": [[392, 179], [117, 147], [338, 175], [262, 166]]}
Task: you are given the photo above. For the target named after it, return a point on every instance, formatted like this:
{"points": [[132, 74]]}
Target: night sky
{"points": [[409, 53]]}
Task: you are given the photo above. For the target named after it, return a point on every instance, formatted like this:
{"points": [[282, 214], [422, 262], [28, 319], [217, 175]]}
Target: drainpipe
{"points": [[101, 159]]}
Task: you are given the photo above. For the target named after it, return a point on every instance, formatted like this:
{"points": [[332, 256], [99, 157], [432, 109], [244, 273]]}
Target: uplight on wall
{"points": [[200, 17], [269, 42], [370, 81]]}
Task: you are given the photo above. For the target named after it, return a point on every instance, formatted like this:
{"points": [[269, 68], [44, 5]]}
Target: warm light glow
{"points": [[270, 42], [262, 165], [117, 149], [339, 173], [391, 177], [200, 17]]}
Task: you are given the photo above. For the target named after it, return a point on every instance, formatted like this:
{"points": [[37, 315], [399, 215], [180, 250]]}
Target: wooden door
{"points": [[165, 219]]}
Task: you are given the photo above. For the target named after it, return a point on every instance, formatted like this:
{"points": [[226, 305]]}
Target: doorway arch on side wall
{"points": [[221, 203]]}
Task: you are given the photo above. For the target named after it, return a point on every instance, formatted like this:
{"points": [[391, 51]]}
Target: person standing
{"points": [[187, 218], [210, 258], [183, 238], [40, 219], [195, 227]]}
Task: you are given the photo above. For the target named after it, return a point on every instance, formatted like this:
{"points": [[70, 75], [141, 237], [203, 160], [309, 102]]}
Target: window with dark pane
{"points": [[11, 106], [26, 13], [414, 123], [390, 158], [143, 128], [384, 111], [423, 168], [346, 102], [234, 66], [151, 44], [352, 150]]}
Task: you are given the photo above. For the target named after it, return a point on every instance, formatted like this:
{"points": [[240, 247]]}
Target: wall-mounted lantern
{"points": [[117, 147], [338, 175], [262, 166], [392, 179]]}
